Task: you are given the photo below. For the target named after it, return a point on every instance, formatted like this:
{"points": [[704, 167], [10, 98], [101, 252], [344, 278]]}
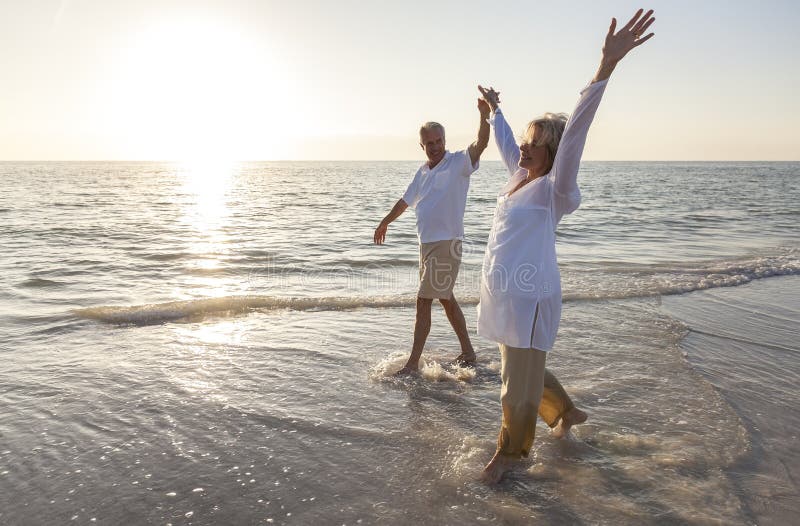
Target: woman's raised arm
{"points": [[568, 157], [618, 45], [503, 136]]}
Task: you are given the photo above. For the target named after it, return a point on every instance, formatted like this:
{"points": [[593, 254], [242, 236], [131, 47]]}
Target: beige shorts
{"points": [[438, 268]]}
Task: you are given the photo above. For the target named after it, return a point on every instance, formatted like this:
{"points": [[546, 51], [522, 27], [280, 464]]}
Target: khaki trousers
{"points": [[528, 388]]}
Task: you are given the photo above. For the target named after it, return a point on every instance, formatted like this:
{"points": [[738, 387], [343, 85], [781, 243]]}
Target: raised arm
{"points": [[477, 147], [570, 150], [503, 136], [618, 45]]}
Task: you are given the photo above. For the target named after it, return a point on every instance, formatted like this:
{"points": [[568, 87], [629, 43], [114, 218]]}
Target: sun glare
{"points": [[206, 182], [205, 192], [200, 91]]}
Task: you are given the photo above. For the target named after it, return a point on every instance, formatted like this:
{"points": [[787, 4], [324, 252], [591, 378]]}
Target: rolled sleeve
{"points": [[467, 167], [412, 192]]}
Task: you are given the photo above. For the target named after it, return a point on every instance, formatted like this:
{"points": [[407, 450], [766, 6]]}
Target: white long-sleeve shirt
{"points": [[520, 303]]}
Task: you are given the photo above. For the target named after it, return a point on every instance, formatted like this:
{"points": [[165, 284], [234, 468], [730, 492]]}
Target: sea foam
{"points": [[621, 282]]}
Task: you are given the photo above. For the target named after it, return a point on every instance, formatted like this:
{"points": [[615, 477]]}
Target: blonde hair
{"points": [[551, 129]]}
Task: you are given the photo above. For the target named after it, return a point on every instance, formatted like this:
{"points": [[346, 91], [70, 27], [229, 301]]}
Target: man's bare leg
{"points": [[456, 318], [422, 327]]}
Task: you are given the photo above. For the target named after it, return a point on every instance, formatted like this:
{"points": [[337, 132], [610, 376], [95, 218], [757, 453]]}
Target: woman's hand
{"points": [[618, 44], [491, 97]]}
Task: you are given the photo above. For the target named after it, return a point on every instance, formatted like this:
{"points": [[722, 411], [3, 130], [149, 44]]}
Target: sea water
{"points": [[214, 344]]}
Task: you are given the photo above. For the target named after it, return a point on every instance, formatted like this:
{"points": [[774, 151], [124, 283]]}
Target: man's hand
{"points": [[397, 210], [490, 96], [380, 233], [484, 108]]}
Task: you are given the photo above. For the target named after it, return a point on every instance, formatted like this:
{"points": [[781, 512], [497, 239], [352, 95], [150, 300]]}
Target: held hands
{"points": [[380, 233], [480, 144], [630, 36], [484, 108], [490, 98]]}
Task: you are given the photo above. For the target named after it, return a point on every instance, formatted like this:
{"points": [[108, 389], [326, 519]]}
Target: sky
{"points": [[353, 80]]}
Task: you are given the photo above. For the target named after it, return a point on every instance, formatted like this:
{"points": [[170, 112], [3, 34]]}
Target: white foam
{"points": [[154, 313], [438, 372], [465, 461], [430, 369], [616, 283], [621, 282]]}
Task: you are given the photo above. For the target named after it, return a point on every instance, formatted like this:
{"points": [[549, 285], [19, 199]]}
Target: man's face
{"points": [[432, 141]]}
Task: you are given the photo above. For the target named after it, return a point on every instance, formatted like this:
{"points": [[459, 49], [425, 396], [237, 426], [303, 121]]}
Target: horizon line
{"points": [[185, 161]]}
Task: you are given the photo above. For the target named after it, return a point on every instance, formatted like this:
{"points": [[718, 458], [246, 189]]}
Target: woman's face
{"points": [[533, 157]]}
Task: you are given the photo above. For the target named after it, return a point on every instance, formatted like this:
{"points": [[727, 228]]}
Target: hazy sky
{"points": [[346, 79]]}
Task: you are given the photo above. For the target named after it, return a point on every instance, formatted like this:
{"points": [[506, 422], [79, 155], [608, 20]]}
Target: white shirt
{"points": [[520, 303], [439, 197]]}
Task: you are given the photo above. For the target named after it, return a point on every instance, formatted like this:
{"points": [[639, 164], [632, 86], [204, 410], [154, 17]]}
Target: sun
{"points": [[200, 90]]}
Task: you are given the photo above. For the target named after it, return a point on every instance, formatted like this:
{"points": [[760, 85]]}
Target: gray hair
{"points": [[551, 126], [431, 126]]}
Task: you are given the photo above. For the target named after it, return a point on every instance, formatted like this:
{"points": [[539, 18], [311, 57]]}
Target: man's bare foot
{"points": [[407, 370], [465, 359], [496, 468], [573, 417]]}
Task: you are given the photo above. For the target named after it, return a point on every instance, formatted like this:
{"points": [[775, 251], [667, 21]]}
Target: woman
{"points": [[520, 304]]}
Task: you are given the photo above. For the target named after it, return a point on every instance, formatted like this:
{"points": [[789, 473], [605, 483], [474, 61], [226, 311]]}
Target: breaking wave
{"points": [[621, 282], [231, 305]]}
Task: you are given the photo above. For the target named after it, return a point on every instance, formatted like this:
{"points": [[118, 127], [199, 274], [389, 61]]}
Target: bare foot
{"points": [[496, 468], [465, 359], [407, 370], [573, 417]]}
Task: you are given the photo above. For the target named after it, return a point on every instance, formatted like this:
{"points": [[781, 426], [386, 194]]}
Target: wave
{"points": [[155, 313], [779, 259], [367, 264], [615, 283], [71, 205], [629, 281], [40, 283], [748, 341], [166, 256]]}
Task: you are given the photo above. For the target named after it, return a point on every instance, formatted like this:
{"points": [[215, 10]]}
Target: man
{"points": [[438, 194]]}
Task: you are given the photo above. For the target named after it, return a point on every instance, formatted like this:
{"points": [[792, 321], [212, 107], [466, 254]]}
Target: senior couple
{"points": [[520, 292]]}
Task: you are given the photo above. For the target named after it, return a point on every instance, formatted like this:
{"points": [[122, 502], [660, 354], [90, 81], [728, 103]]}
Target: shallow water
{"points": [[190, 347], [745, 342], [249, 409]]}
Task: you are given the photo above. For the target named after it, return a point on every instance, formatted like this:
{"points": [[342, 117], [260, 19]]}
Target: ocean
{"points": [[214, 344]]}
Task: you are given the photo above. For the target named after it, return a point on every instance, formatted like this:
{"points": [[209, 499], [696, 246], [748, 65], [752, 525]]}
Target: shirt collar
{"points": [[427, 169]]}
